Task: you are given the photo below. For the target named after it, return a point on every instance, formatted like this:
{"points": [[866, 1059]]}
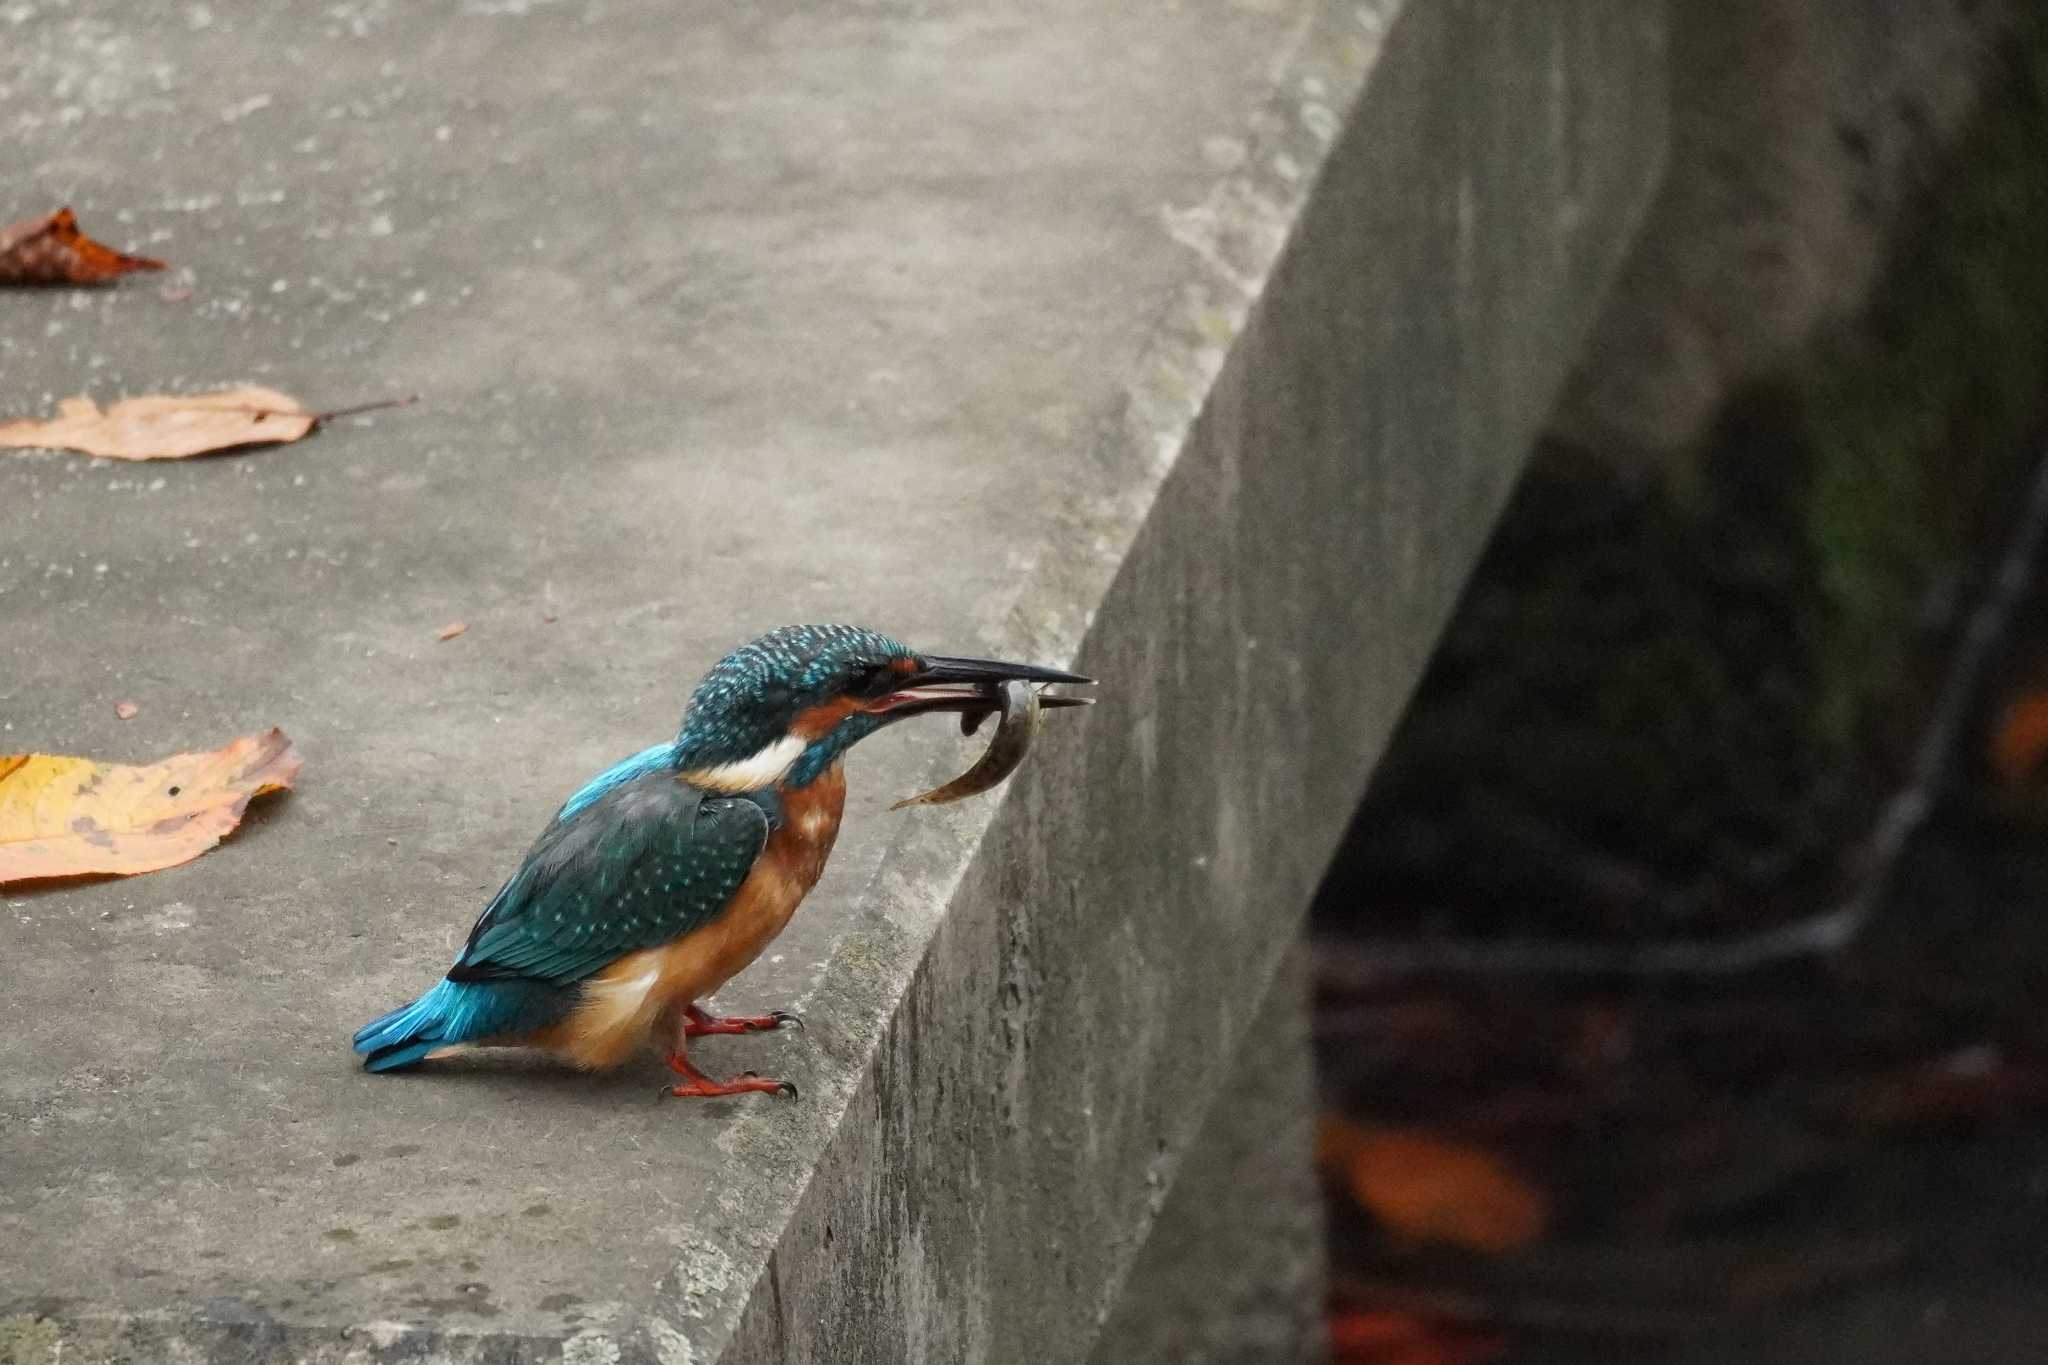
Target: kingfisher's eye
{"points": [[872, 680]]}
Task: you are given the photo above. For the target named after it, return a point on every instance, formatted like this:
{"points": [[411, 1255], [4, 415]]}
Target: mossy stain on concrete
{"points": [[26, 1339]]}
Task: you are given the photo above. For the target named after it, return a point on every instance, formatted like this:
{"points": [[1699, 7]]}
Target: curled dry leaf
{"points": [[53, 251], [167, 427], [2019, 742], [126, 710], [1433, 1190], [70, 817], [451, 630]]}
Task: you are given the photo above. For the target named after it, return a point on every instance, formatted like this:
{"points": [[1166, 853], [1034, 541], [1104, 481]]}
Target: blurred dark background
{"points": [[1676, 982]]}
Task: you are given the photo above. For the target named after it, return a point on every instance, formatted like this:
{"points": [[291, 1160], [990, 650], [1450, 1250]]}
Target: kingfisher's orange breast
{"points": [[643, 991]]}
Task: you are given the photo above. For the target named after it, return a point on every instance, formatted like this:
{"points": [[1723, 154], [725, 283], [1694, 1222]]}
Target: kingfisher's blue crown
{"points": [[750, 697]]}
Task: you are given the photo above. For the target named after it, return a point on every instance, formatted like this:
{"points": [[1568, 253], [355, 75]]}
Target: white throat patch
{"points": [[763, 769]]}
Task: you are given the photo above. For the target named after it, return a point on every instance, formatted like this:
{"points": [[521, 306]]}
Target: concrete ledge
{"points": [[1387, 298], [1240, 435]]}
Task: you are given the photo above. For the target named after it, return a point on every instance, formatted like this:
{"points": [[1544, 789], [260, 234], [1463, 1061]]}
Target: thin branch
{"points": [[1376, 963]]}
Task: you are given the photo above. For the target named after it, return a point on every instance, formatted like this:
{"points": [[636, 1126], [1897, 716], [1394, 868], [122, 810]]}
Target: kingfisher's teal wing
{"points": [[643, 864], [634, 864]]}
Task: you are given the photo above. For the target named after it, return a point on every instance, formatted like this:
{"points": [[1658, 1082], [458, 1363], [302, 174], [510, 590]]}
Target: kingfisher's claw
{"points": [[697, 1084], [696, 1023], [781, 1087]]}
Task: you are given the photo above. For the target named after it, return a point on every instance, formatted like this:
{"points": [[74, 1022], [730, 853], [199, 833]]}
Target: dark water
{"points": [[1839, 1159]]}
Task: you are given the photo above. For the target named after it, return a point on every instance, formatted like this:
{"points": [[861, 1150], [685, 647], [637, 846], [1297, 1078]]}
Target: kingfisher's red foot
{"points": [[696, 1023], [697, 1085]]}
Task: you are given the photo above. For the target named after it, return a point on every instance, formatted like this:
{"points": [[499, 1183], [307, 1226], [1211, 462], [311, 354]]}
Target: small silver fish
{"points": [[1016, 727]]}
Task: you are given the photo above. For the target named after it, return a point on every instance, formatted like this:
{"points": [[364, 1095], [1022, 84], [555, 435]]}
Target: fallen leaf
{"points": [[451, 630], [171, 427], [163, 427], [2019, 743], [53, 251], [1970, 1084], [126, 710], [1431, 1189], [69, 817], [1375, 1337]]}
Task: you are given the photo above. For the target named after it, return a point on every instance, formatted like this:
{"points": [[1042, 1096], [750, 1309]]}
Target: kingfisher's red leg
{"points": [[696, 1023], [698, 1085]]}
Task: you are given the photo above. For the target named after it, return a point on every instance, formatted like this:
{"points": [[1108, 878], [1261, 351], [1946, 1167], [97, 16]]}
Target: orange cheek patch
{"points": [[818, 721]]}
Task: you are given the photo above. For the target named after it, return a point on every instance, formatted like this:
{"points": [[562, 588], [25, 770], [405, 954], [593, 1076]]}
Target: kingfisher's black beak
{"points": [[948, 683], [940, 669]]}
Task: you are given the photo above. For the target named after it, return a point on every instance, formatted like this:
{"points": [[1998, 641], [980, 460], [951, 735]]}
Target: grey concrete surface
{"points": [[1195, 342], [1233, 1271]]}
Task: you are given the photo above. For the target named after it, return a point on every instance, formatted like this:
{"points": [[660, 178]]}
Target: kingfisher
{"points": [[668, 873]]}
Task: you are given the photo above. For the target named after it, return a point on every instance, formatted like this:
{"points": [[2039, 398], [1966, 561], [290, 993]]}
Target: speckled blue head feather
{"points": [[751, 697]]}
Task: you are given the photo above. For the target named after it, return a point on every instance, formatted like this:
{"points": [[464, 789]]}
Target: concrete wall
{"points": [[1802, 131], [1233, 1271]]}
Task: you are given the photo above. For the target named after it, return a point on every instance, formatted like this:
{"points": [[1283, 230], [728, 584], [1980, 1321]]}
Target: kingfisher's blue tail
{"points": [[454, 1012]]}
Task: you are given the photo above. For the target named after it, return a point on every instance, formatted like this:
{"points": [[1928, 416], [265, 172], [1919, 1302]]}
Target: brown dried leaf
{"points": [[167, 427], [1969, 1085], [43, 251], [126, 710], [1391, 1337], [70, 817], [2019, 742], [451, 630], [1431, 1189]]}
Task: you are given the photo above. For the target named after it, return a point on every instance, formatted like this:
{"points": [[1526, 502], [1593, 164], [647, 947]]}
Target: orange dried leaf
{"points": [[451, 630], [53, 251], [70, 817], [1431, 1189], [2019, 744], [166, 427]]}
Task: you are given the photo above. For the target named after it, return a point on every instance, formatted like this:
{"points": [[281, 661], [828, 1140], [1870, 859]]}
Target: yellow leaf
{"points": [[1431, 1189], [167, 427], [69, 817]]}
